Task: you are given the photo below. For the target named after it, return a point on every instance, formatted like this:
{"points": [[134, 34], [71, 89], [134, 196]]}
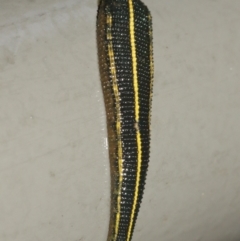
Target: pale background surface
{"points": [[54, 173]]}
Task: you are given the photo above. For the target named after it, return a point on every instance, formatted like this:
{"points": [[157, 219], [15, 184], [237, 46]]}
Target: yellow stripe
{"points": [[151, 65], [118, 122], [139, 144]]}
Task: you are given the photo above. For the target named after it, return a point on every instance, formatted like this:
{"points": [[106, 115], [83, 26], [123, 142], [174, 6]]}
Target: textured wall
{"points": [[54, 173]]}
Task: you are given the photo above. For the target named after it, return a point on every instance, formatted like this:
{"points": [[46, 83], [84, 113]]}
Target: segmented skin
{"points": [[124, 34]]}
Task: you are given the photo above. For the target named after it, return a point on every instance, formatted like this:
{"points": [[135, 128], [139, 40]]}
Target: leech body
{"points": [[124, 32]]}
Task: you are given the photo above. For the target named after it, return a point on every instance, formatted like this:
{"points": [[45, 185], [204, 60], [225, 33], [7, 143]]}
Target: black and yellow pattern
{"points": [[124, 31]]}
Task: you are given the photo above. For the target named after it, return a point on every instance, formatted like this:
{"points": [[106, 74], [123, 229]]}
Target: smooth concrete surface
{"points": [[54, 168]]}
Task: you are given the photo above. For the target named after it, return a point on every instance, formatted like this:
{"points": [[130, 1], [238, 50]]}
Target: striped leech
{"points": [[125, 50]]}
